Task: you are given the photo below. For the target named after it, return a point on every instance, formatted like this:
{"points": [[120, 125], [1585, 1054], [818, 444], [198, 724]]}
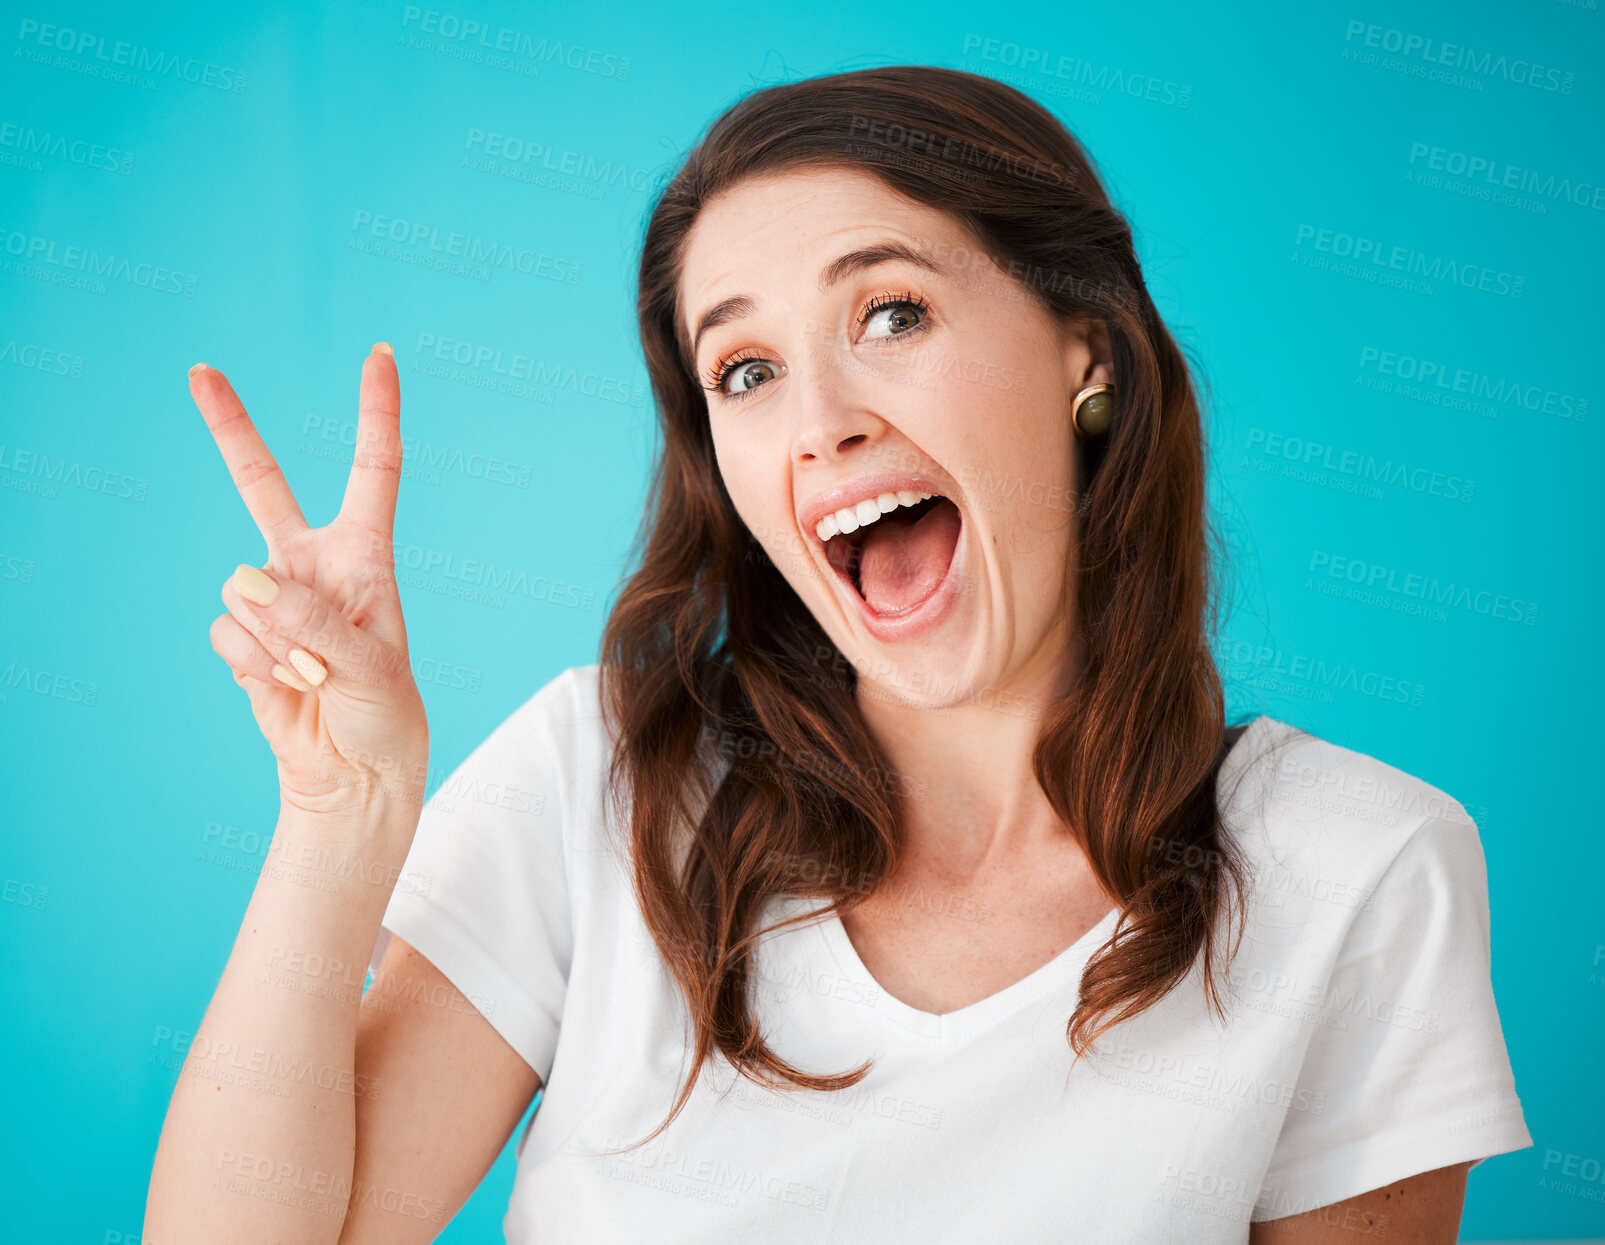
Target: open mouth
{"points": [[897, 562]]}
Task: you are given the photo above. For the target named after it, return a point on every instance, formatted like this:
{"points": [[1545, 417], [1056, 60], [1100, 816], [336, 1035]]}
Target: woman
{"points": [[893, 873]]}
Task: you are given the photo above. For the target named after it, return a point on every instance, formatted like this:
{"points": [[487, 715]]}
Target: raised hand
{"points": [[316, 636]]}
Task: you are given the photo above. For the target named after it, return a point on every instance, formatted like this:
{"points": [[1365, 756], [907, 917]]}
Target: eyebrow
{"points": [[740, 305]]}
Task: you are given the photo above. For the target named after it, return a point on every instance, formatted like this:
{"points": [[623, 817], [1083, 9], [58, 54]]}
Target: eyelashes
{"points": [[716, 376], [882, 301]]}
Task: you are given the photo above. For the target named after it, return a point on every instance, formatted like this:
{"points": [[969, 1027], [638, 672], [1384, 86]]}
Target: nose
{"points": [[834, 415]]}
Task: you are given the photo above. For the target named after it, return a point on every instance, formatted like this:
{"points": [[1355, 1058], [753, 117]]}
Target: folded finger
{"points": [[248, 659], [301, 629], [298, 656]]}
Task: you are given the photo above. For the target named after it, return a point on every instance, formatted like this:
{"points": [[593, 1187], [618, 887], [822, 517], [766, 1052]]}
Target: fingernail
{"points": [[383, 348], [310, 668], [254, 586], [290, 678], [199, 367]]}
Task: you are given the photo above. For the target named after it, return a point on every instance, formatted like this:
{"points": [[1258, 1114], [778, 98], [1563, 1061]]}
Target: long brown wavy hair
{"points": [[708, 643]]}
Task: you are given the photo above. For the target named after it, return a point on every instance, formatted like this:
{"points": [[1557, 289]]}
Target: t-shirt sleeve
{"points": [[484, 892], [1410, 1060]]}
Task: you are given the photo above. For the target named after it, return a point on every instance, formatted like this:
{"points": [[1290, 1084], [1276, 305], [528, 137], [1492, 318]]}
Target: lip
{"points": [[864, 488]]}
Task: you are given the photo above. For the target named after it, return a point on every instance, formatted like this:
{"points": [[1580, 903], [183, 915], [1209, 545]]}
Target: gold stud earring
{"points": [[1091, 410]]}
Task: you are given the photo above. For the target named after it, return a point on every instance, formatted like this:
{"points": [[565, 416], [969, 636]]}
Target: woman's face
{"points": [[845, 378]]}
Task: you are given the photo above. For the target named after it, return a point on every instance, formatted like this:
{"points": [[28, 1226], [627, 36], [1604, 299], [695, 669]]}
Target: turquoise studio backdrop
{"points": [[1376, 227]]}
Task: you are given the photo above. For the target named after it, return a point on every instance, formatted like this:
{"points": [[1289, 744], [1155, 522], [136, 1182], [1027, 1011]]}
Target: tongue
{"points": [[901, 563]]}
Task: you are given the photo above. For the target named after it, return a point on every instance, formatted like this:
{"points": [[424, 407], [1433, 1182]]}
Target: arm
{"points": [[300, 1103], [372, 1118], [1419, 1210], [448, 1093], [270, 1156]]}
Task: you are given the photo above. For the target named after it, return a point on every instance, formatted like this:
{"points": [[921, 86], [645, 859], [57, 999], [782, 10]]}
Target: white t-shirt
{"points": [[1363, 1045]]}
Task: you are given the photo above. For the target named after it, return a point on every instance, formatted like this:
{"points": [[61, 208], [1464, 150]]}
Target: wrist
{"points": [[357, 812], [357, 790], [343, 852]]}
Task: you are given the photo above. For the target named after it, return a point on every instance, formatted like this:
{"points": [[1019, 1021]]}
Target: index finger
{"points": [[370, 498], [255, 471]]}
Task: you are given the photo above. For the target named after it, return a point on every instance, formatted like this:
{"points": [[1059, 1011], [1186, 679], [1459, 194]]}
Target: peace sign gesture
{"points": [[316, 636]]}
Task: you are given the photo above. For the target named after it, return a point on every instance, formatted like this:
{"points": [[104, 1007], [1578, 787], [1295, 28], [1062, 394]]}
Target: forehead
{"points": [[791, 225]]}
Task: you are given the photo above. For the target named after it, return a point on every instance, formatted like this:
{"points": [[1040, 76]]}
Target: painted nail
{"points": [[307, 666], [290, 678], [383, 348], [199, 367], [254, 586]]}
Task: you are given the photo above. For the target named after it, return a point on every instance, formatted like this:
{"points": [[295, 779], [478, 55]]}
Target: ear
{"points": [[1088, 359]]}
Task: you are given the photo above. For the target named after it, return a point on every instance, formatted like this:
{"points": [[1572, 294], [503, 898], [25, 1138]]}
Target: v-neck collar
{"points": [[1033, 987]]}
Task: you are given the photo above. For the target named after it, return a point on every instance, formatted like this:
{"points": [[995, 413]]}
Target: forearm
{"points": [[259, 1137]]}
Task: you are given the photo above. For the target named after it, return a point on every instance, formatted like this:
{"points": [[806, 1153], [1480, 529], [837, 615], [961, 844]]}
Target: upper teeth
{"points": [[851, 518]]}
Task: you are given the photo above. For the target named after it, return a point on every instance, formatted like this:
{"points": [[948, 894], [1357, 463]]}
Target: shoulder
{"points": [[545, 755], [564, 712], [1366, 960], [1319, 825], [561, 726], [572, 693]]}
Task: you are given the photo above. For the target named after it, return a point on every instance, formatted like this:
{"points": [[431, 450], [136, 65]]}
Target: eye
{"points": [[899, 313], [750, 371]]}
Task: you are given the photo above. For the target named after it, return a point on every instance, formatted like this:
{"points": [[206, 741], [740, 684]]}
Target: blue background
{"points": [[128, 749]]}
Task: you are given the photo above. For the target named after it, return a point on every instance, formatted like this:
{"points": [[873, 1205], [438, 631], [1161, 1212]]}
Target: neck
{"points": [[972, 799]]}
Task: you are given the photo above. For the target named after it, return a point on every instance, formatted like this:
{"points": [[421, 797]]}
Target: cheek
{"points": [[1046, 496], [761, 494], [1008, 443]]}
